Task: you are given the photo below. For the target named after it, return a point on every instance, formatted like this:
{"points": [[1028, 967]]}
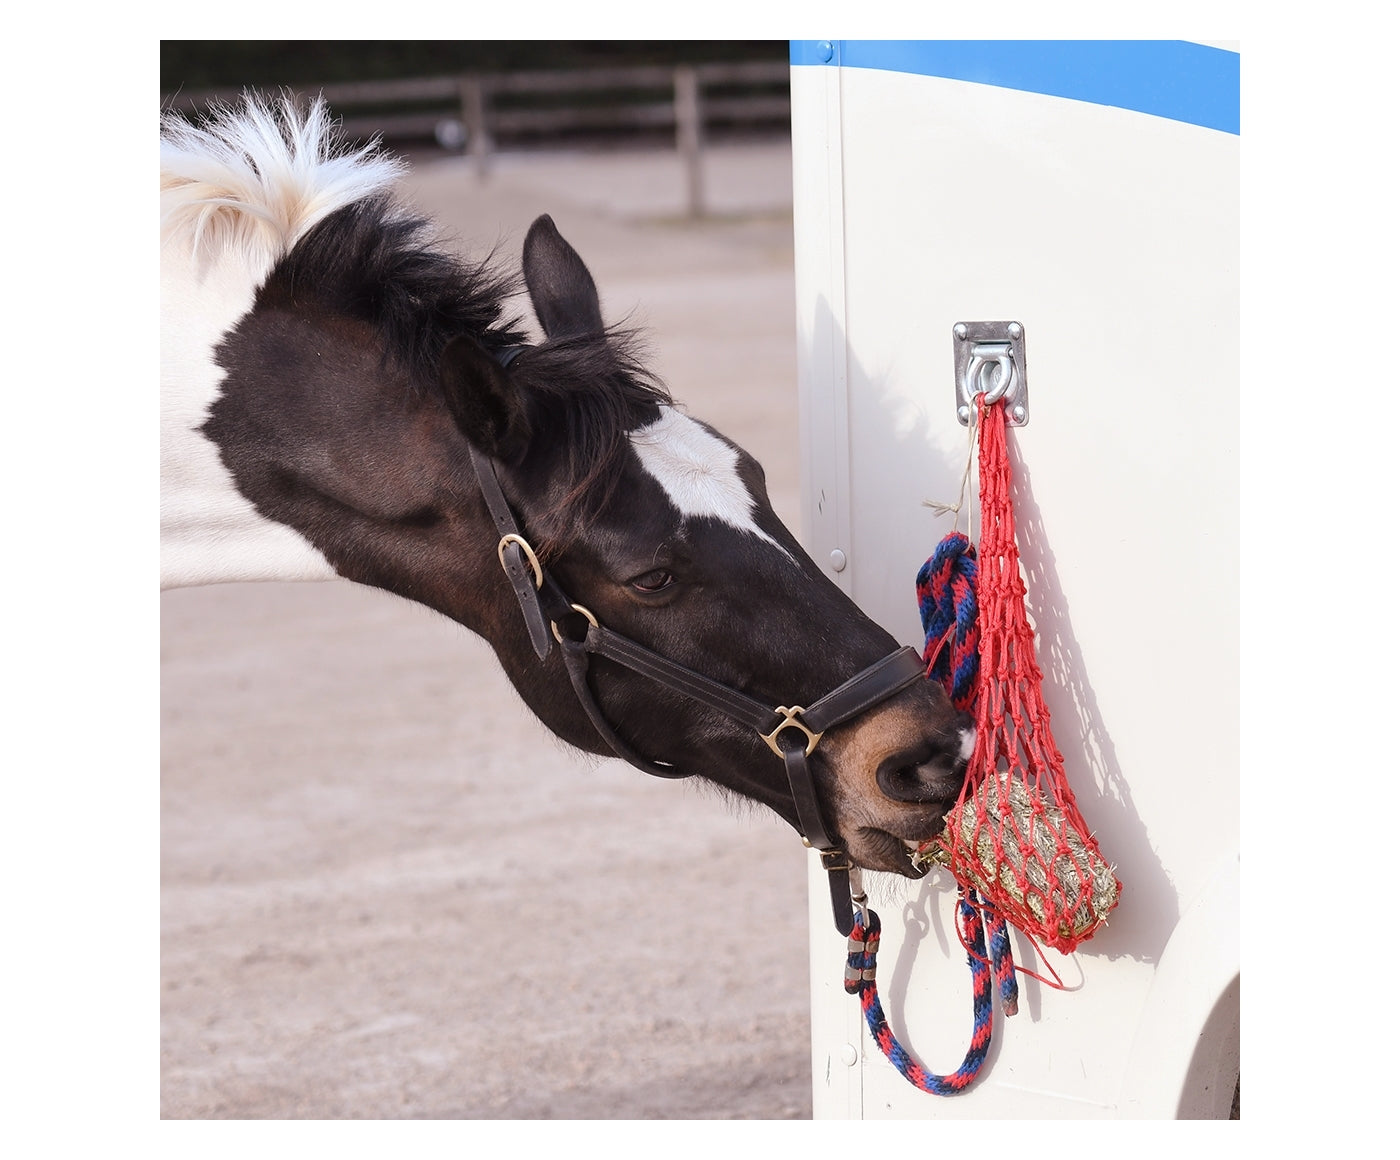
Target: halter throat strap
{"points": [[792, 732]]}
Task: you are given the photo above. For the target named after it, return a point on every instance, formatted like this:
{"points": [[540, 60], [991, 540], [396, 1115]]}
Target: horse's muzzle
{"points": [[893, 776]]}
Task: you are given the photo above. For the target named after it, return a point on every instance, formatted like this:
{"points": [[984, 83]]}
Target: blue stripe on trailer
{"points": [[1174, 79]]}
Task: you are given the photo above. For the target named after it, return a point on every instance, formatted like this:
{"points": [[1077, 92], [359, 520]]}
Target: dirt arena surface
{"points": [[387, 891]]}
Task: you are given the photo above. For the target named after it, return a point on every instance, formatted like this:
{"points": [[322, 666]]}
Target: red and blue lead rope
{"points": [[860, 980], [947, 590], [1003, 966]]}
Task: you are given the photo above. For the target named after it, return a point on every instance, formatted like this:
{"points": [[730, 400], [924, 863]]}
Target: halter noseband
{"points": [[792, 732]]}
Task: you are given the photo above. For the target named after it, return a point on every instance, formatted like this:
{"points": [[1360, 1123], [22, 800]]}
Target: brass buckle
{"points": [[582, 611], [790, 719], [512, 538]]}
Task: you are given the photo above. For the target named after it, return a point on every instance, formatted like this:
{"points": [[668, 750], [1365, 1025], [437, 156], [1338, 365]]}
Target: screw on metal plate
{"points": [[989, 359]]}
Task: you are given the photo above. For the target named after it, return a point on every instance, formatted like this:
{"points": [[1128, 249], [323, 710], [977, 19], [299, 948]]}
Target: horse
{"points": [[344, 396]]}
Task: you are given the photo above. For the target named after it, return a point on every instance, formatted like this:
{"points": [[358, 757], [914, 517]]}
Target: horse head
{"points": [[661, 528], [331, 394]]}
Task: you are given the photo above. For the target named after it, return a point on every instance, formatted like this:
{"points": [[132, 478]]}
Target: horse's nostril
{"points": [[929, 774], [901, 783]]}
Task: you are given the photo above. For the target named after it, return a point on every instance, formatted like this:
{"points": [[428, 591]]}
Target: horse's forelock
{"points": [[588, 394]]}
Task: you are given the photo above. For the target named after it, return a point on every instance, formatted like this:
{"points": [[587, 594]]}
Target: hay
{"points": [[1064, 876]]}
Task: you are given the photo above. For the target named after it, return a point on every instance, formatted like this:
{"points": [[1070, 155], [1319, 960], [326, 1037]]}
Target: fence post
{"points": [[473, 97], [688, 137]]}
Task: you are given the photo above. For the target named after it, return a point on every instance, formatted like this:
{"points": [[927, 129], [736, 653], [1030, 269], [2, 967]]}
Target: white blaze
{"points": [[698, 471]]}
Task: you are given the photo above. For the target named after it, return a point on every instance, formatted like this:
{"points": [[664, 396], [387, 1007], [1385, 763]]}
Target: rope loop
{"points": [[860, 980]]}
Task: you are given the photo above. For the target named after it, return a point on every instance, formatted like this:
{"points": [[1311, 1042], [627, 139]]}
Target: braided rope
{"points": [[860, 980], [1003, 966], [947, 590]]}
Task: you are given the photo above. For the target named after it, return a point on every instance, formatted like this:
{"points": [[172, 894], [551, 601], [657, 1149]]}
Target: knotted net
{"points": [[1015, 835]]}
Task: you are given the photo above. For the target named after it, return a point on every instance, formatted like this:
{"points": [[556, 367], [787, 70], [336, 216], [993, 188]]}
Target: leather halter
{"points": [[791, 732]]}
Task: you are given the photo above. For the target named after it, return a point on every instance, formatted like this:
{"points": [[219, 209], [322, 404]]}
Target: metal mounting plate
{"points": [[990, 358]]}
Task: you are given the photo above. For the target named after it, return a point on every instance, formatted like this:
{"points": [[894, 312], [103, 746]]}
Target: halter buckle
{"points": [[512, 538], [790, 720]]}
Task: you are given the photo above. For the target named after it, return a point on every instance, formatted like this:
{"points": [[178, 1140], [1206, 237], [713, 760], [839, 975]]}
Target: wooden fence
{"points": [[478, 113]]}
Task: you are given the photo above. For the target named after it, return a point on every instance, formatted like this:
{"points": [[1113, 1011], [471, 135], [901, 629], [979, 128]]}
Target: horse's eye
{"points": [[653, 581]]}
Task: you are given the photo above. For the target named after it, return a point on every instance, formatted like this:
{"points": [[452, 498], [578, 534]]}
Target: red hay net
{"points": [[1016, 835]]}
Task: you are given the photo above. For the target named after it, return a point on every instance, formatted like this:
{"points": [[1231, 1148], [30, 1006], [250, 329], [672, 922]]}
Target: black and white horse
{"points": [[342, 396]]}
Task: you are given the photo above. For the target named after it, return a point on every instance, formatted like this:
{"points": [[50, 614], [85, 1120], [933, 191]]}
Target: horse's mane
{"points": [[277, 183], [257, 176]]}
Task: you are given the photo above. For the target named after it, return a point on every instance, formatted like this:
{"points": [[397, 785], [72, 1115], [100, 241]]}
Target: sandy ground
{"points": [[387, 892]]}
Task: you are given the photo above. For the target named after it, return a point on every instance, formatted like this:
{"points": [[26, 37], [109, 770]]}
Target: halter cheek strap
{"points": [[792, 732], [527, 578]]}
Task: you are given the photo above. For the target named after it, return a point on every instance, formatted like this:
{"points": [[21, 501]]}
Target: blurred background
{"points": [[212, 64], [481, 97], [387, 891]]}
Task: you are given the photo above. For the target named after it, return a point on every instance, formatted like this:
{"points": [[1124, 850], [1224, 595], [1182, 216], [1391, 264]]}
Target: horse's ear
{"points": [[561, 288], [487, 405]]}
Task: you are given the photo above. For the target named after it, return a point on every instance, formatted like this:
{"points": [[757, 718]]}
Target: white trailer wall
{"points": [[1089, 191]]}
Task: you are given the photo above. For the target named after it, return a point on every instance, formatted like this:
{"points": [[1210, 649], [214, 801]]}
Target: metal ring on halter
{"points": [[512, 538], [790, 719], [582, 611], [1006, 375]]}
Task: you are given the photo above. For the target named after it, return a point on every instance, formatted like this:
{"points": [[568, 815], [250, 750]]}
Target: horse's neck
{"points": [[209, 533]]}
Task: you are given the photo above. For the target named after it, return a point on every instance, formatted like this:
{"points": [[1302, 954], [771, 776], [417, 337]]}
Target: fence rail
{"points": [[478, 112]]}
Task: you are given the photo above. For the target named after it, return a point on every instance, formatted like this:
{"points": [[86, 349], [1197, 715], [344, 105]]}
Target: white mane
{"points": [[260, 175]]}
